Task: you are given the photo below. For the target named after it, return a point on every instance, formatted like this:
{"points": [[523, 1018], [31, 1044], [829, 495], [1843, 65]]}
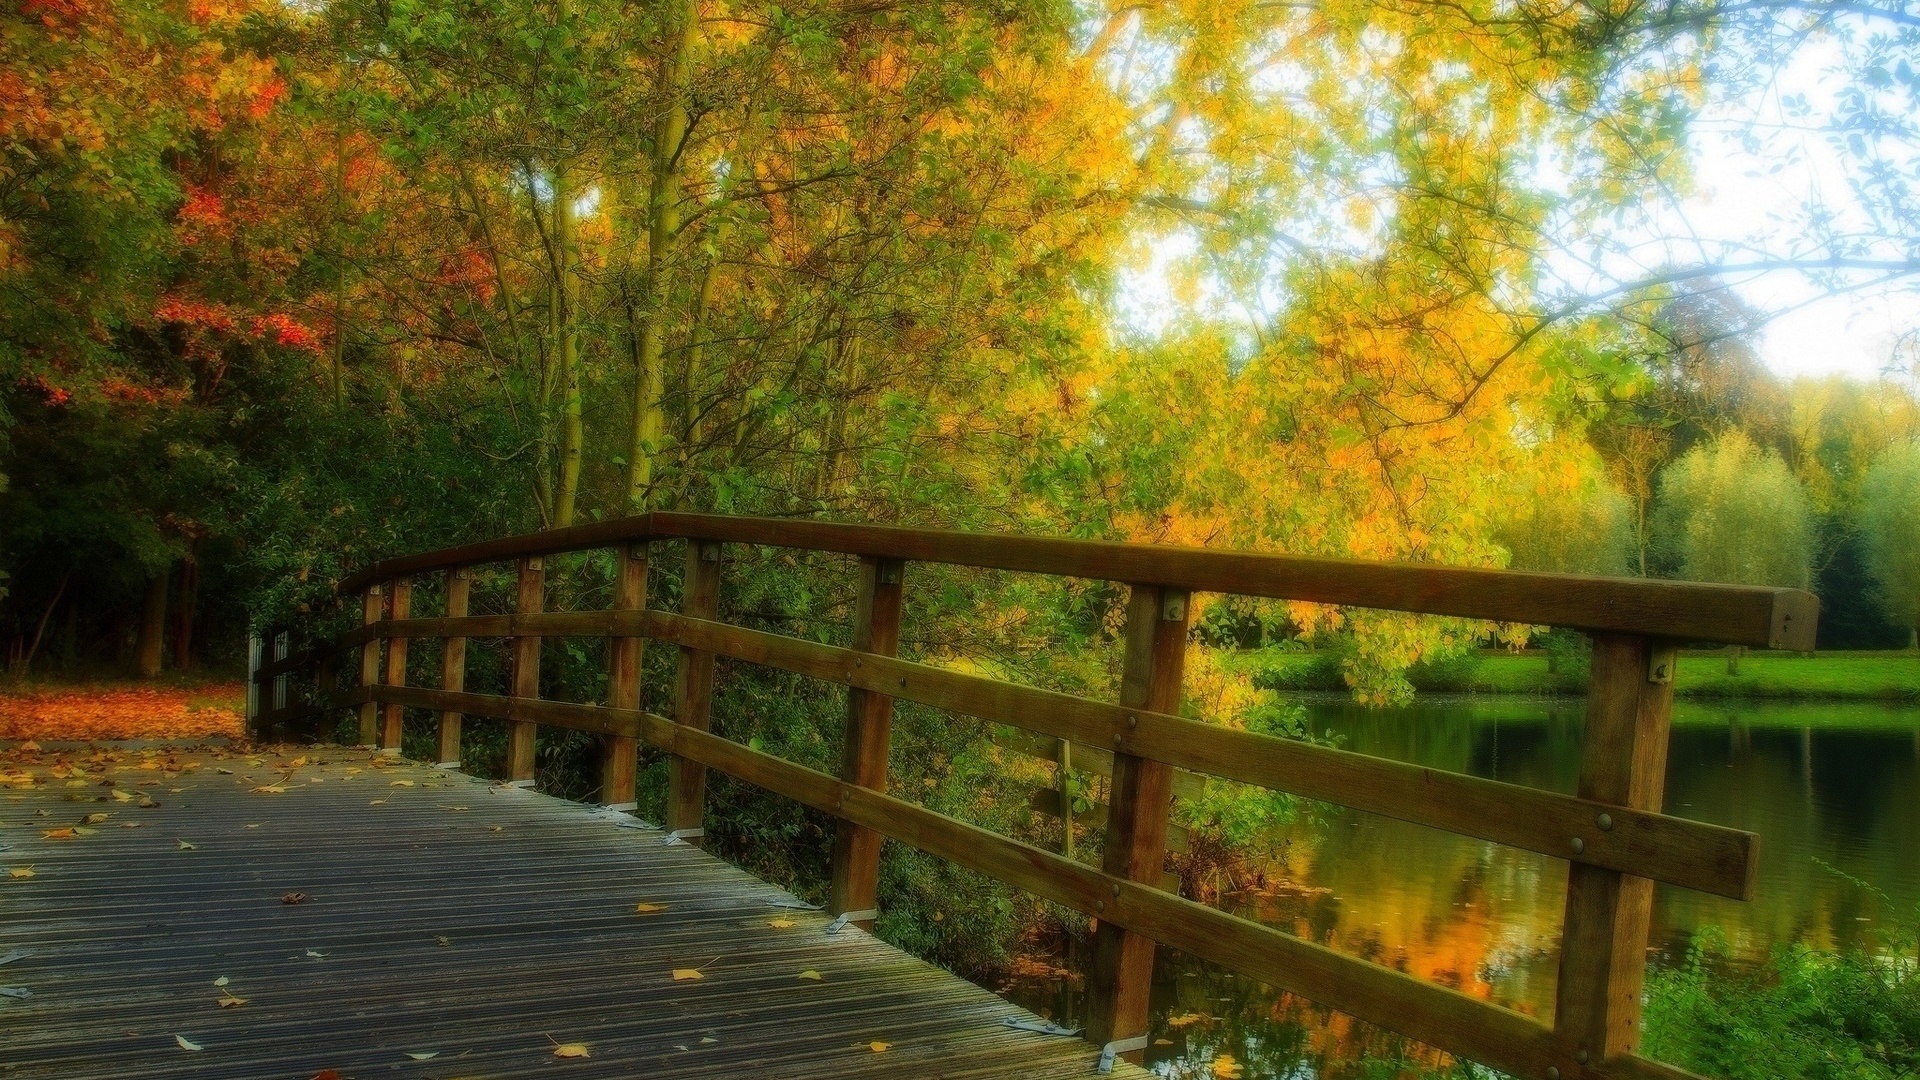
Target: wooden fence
{"points": [[1611, 831]]}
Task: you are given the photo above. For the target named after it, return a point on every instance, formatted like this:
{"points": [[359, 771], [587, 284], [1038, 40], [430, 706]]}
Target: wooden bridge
{"points": [[546, 948]]}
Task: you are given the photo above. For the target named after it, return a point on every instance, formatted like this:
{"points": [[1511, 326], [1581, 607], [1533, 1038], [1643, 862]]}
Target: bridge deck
{"points": [[483, 925]]}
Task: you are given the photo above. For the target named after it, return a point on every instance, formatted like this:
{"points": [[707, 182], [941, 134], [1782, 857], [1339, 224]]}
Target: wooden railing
{"points": [[1611, 831]]}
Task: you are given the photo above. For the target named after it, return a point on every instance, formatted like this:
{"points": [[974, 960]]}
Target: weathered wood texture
{"points": [[1736, 614], [693, 691], [618, 753], [370, 612], [425, 930], [453, 665], [529, 596], [855, 867], [391, 726]]}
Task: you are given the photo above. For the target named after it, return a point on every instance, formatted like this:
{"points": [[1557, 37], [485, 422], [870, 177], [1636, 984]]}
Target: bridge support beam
{"points": [[1136, 839], [856, 849]]}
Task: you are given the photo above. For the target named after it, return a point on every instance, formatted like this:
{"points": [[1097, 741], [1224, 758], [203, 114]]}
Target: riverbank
{"points": [[1876, 676]]}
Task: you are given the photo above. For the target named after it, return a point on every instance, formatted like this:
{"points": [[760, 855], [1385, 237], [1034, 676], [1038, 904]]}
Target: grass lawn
{"points": [[1829, 676]]}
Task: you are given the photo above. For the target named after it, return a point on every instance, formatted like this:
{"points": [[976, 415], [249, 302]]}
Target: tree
{"points": [[1732, 512], [1890, 524], [1583, 527]]}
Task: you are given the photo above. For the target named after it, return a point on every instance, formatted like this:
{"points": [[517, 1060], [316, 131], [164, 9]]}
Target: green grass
{"points": [[1827, 677]]}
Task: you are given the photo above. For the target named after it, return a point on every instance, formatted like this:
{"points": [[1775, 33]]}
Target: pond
{"points": [[1832, 789]]}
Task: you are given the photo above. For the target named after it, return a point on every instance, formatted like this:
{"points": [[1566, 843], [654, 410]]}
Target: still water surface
{"points": [[1832, 789]]}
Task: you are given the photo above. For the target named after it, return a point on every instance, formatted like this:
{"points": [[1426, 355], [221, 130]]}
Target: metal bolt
{"points": [[1099, 905], [1116, 890], [1553, 1073], [1579, 845], [1580, 1056], [1118, 738], [1133, 721], [1605, 822]]}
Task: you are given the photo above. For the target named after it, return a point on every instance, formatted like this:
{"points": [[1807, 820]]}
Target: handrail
{"points": [[1611, 832], [1753, 615]]}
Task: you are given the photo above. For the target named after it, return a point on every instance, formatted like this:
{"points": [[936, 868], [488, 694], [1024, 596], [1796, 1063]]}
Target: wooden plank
{"points": [[1093, 759], [1737, 614], [1623, 759], [693, 690], [532, 712], [855, 868], [401, 590], [529, 596], [1120, 976], [618, 753], [1048, 801], [1690, 854], [369, 664], [453, 666], [1436, 1015]]}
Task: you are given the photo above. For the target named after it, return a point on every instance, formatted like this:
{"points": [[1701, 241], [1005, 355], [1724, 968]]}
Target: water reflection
{"points": [[1828, 788]]}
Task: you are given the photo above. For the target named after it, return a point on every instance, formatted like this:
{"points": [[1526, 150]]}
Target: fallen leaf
{"points": [[132, 824], [1185, 1019], [376, 802], [327, 1074], [811, 976], [268, 789], [256, 826], [66, 833], [294, 898], [221, 981], [1225, 1068], [494, 828], [121, 796], [20, 872], [686, 974], [649, 909], [708, 1039], [29, 745], [879, 1047], [296, 763], [443, 941], [780, 924], [316, 955], [571, 1050], [82, 830], [231, 1002], [187, 1044], [408, 783], [184, 846], [423, 1055], [94, 819]]}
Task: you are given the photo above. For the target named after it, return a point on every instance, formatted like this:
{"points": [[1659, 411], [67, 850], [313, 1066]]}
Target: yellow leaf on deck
{"points": [[401, 783], [231, 1002], [686, 974], [879, 1047], [571, 1050], [57, 834], [647, 909], [268, 789], [20, 871], [423, 1055], [221, 981], [296, 763], [121, 796], [780, 924], [1225, 1068], [376, 802], [184, 846], [94, 819], [811, 976], [187, 1044]]}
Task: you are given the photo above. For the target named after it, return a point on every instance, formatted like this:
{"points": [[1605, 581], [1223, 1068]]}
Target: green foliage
{"points": [[1890, 523], [1733, 512], [1588, 530], [1808, 1015]]}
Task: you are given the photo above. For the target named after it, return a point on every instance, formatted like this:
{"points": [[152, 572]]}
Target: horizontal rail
{"points": [[1735, 614], [1434, 1014], [1691, 854]]}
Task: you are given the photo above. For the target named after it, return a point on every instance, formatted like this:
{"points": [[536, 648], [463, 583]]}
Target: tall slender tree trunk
{"points": [[153, 628], [567, 345], [183, 612], [663, 225]]}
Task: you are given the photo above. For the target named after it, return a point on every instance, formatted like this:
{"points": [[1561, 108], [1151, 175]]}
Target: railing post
{"points": [[693, 691], [856, 849], [401, 605], [1623, 760], [453, 668], [369, 666], [255, 728], [1136, 836], [529, 599], [617, 753]]}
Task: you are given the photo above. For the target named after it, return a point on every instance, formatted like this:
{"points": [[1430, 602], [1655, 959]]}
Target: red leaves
{"points": [[123, 713]]}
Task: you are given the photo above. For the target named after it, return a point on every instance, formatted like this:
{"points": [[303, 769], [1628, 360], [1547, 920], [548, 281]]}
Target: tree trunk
{"points": [[153, 628], [663, 223], [183, 612], [567, 346]]}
